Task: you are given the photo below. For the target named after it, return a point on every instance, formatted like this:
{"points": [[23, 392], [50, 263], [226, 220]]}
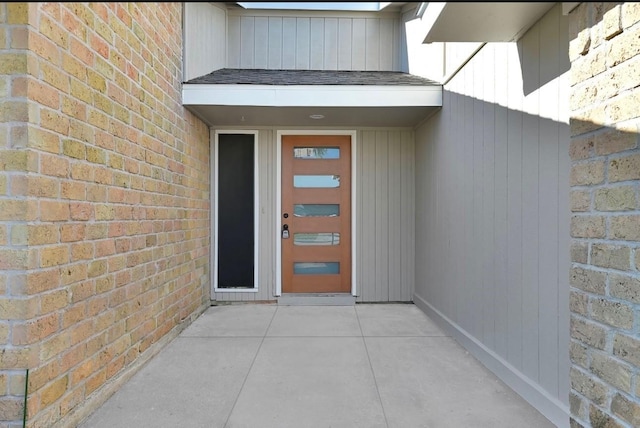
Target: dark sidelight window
{"points": [[236, 232]]}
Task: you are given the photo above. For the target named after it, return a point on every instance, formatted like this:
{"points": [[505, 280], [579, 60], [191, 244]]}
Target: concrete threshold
{"points": [[316, 299]]}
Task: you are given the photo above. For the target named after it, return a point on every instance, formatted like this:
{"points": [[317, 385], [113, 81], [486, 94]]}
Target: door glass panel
{"points": [[316, 210], [316, 181], [316, 268], [316, 152], [316, 238]]}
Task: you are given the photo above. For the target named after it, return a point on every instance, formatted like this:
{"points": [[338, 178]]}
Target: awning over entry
{"points": [[258, 97]]}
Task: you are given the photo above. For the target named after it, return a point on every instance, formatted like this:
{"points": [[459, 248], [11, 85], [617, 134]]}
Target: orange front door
{"points": [[316, 214]]}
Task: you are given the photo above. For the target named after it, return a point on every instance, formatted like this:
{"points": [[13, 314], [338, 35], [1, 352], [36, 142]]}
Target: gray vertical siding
{"points": [[313, 41], [385, 228], [385, 205], [492, 207]]}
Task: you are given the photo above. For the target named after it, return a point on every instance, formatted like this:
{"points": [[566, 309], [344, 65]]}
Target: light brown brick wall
{"points": [[605, 225], [104, 199]]}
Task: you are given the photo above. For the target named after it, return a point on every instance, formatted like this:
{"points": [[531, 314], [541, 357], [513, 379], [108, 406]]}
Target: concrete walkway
{"points": [[264, 365]]}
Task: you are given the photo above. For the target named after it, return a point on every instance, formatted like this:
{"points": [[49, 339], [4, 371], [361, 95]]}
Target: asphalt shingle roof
{"points": [[235, 76]]}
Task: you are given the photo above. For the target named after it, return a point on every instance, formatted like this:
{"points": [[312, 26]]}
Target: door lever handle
{"points": [[285, 231]]}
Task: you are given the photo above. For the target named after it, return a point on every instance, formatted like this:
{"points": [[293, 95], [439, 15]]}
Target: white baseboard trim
{"points": [[554, 410]]}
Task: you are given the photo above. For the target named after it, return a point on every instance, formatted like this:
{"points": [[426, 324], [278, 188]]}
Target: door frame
{"points": [[278, 238], [214, 213]]}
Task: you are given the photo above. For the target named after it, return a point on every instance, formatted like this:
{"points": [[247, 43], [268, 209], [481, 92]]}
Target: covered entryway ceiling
{"points": [[258, 97]]}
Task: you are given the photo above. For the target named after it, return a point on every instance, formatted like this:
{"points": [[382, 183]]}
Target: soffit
{"points": [[233, 97], [480, 22]]}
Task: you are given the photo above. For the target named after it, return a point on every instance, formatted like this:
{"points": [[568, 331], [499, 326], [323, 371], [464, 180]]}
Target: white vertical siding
{"points": [[314, 41], [491, 214], [205, 39]]}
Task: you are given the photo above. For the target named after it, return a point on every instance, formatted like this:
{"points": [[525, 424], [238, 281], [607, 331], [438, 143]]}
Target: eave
{"points": [[480, 22], [363, 105]]}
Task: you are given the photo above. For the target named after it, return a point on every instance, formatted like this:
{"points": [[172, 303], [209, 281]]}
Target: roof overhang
{"points": [[292, 105], [480, 22]]}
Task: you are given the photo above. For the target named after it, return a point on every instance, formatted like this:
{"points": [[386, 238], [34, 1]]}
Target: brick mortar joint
{"points": [[611, 242], [607, 157], [610, 332], [594, 296], [608, 412], [608, 185], [607, 271]]}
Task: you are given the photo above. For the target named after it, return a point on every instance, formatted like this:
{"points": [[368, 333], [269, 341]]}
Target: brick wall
{"points": [[104, 201], [605, 225]]}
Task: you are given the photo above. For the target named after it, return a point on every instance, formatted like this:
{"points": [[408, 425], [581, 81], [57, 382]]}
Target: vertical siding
{"points": [[314, 42], [492, 225], [385, 206], [247, 41], [358, 44], [205, 39], [344, 49], [233, 39], [261, 42], [407, 219], [275, 42]]}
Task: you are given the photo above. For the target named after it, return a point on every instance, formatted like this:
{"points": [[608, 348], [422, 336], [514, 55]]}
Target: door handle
{"points": [[285, 231]]}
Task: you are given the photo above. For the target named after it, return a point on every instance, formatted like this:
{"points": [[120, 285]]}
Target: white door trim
{"points": [[214, 215], [278, 238]]}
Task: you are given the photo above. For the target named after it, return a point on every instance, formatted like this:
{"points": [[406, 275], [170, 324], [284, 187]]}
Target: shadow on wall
{"points": [[527, 245], [535, 76]]}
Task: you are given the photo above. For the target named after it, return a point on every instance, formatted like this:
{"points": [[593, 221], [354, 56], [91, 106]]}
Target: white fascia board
{"points": [[312, 95], [430, 15]]}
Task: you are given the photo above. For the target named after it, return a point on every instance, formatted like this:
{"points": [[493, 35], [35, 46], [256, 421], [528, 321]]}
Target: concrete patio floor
{"points": [[264, 365]]}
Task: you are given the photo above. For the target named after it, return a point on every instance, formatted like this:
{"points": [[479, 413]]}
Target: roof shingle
{"points": [[236, 76]]}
